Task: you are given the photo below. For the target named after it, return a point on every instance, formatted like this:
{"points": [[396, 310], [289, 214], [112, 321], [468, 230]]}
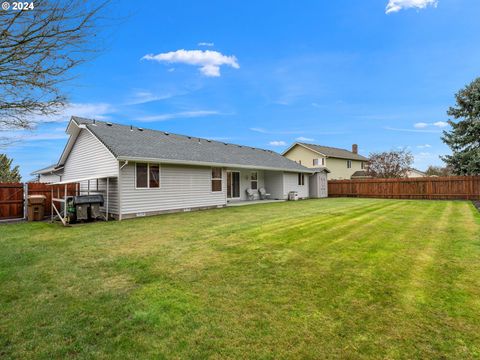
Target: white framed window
{"points": [[349, 164], [301, 179], [315, 162], [216, 179], [254, 180], [147, 176], [362, 165], [323, 161]]}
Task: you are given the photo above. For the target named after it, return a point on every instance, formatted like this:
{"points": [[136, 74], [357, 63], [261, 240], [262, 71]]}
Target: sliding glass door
{"points": [[233, 184]]}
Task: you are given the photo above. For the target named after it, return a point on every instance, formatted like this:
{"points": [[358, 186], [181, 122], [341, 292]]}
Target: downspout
{"points": [[120, 189]]}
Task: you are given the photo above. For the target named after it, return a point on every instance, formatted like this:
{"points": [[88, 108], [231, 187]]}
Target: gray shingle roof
{"points": [[136, 143], [334, 152]]}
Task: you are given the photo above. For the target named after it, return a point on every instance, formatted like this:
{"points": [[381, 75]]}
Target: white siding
{"points": [[49, 178], [90, 158], [318, 185], [181, 187], [291, 184], [274, 184]]}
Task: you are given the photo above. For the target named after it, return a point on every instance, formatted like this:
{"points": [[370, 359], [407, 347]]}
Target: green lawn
{"points": [[333, 278]]}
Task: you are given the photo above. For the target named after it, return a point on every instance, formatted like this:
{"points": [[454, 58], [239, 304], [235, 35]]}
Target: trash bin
{"points": [[36, 207], [293, 196]]}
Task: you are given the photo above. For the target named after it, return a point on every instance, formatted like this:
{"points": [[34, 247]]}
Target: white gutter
{"points": [[205, 163]]}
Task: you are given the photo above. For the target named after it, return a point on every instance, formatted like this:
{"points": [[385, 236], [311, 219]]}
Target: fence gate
{"points": [[11, 201]]}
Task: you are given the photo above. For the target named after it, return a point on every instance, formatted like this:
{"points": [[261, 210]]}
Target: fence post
{"points": [[25, 200]]}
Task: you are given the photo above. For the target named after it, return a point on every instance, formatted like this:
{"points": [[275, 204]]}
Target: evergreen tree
{"points": [[7, 174], [464, 137]]}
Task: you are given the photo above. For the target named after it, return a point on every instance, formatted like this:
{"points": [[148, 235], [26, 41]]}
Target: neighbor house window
{"points": [[349, 164], [147, 176], [254, 180], [315, 162], [301, 179], [362, 165], [216, 179]]}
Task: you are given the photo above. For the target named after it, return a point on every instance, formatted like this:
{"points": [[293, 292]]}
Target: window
{"points": [[154, 175], [301, 179], [362, 165], [315, 162], [147, 176], [349, 164], [216, 179], [254, 180], [323, 161]]}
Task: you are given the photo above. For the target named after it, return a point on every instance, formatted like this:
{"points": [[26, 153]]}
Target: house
{"points": [[49, 174], [341, 163], [146, 172], [414, 173]]}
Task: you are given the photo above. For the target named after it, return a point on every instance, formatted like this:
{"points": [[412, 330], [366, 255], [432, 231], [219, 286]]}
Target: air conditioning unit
{"points": [[293, 196]]}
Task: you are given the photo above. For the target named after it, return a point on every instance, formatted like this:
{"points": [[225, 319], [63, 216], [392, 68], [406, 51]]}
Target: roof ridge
{"points": [[325, 146]]}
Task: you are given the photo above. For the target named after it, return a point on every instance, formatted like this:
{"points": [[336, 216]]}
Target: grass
{"points": [[333, 278]]}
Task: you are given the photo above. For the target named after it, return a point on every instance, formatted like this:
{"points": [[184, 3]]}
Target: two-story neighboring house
{"points": [[341, 163]]}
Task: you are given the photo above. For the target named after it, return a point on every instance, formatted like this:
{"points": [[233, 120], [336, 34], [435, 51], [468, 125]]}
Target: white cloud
{"points": [[420, 125], [209, 61], [301, 138], [209, 44], [143, 97], [182, 114], [424, 146], [97, 111], [397, 5], [440, 124], [260, 130], [277, 143], [412, 130]]}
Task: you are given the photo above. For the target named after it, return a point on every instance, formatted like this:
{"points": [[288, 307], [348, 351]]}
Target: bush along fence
{"points": [[431, 188], [13, 197]]}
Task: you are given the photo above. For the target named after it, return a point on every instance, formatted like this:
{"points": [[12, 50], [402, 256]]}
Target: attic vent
{"points": [[209, 140], [240, 146], [94, 122], [140, 129], [225, 143], [131, 127], [109, 124], [189, 137], [166, 133]]}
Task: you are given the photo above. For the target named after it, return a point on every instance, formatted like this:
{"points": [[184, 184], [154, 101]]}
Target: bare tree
{"points": [[38, 49], [390, 164]]}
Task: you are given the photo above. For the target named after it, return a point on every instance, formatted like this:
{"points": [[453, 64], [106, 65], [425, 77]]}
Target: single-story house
{"points": [[414, 173], [150, 172], [342, 163]]}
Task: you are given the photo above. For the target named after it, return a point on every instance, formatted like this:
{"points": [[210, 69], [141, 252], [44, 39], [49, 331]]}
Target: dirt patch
{"points": [[476, 203]]}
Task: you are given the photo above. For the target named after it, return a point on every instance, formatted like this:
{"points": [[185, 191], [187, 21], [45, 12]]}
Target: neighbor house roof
{"points": [[137, 144], [329, 151], [47, 170]]}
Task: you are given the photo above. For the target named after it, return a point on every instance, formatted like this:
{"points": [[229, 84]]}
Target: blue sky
{"points": [[267, 73]]}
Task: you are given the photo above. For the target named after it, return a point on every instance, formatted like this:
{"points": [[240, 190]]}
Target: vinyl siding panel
{"points": [[181, 187], [274, 184], [90, 158], [291, 184], [49, 178]]}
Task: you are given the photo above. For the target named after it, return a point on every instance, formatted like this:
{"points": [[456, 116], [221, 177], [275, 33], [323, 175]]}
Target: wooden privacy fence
{"points": [[11, 200], [431, 188], [14, 195]]}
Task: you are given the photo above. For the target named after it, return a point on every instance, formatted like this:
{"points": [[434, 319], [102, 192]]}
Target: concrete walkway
{"points": [[252, 202]]}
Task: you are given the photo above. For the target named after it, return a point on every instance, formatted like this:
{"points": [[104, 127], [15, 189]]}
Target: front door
{"points": [[233, 184]]}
